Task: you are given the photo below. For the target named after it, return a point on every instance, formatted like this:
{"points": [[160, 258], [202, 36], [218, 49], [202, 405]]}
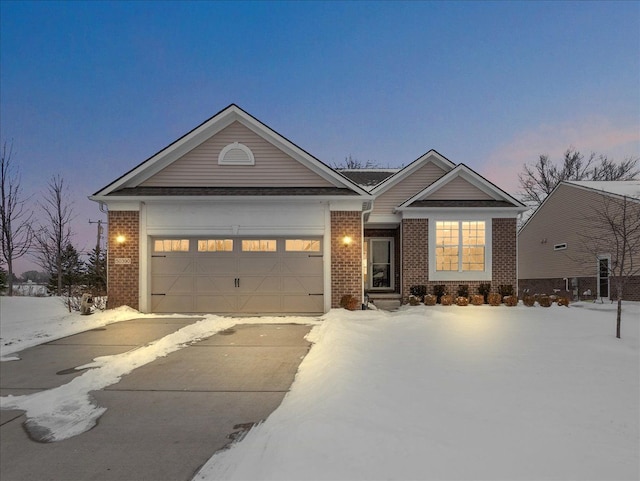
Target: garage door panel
{"points": [[302, 265], [216, 303], [256, 304], [260, 284], [303, 303], [217, 284], [171, 265], [221, 264], [170, 303], [172, 284], [258, 263], [298, 284]]}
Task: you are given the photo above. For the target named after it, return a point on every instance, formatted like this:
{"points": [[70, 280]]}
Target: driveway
{"points": [[163, 420]]}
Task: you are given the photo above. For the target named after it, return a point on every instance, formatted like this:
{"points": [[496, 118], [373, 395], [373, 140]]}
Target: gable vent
{"points": [[236, 154]]}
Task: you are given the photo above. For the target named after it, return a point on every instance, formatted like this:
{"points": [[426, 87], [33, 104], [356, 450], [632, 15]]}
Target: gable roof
{"points": [[492, 196], [613, 188], [130, 181], [431, 156]]}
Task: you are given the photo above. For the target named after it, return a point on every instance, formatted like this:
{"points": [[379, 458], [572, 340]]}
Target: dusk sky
{"points": [[88, 90]]}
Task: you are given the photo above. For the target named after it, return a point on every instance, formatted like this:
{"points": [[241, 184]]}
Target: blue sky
{"points": [[90, 89]]}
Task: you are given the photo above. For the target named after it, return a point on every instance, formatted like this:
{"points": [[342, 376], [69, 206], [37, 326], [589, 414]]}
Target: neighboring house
{"points": [[235, 218], [557, 251]]}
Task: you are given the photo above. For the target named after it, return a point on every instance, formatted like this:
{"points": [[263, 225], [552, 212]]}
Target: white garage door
{"points": [[237, 275]]}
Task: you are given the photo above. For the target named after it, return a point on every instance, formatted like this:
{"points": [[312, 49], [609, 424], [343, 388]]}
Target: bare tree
{"points": [[539, 180], [53, 237], [17, 234], [614, 229], [352, 163]]}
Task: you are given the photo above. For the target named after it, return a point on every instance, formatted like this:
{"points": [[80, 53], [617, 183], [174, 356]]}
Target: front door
{"points": [[380, 269]]}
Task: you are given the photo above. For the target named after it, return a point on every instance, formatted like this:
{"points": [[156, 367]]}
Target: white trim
{"points": [[485, 275]]}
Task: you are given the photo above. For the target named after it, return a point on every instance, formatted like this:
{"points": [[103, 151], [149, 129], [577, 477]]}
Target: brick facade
{"points": [[346, 261], [415, 257], [123, 278], [630, 292]]}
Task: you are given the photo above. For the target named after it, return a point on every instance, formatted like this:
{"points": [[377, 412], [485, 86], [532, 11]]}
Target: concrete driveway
{"points": [[163, 420]]}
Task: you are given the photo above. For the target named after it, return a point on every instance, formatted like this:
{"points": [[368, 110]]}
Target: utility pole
{"points": [[100, 230]]}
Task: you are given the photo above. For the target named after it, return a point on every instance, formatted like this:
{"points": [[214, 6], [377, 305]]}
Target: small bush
{"points": [[446, 300], [529, 301], [430, 300], [463, 290], [563, 301], [462, 301], [439, 290], [413, 300], [418, 292], [511, 301], [494, 299], [544, 301], [484, 289], [349, 302], [505, 290], [477, 299]]}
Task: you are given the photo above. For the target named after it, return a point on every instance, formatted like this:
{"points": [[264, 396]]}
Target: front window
{"points": [[460, 250]]}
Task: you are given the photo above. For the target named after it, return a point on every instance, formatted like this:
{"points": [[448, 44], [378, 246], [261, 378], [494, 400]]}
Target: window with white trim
{"points": [[460, 249]]}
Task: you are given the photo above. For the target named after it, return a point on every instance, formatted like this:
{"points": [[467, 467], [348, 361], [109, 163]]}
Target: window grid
{"points": [[215, 245], [460, 246]]}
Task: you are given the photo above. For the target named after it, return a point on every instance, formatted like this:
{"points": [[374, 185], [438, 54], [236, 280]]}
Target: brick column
{"points": [[504, 264], [346, 261], [415, 254], [123, 264]]}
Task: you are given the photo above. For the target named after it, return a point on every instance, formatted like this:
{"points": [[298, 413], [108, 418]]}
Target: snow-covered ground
{"points": [[422, 393]]}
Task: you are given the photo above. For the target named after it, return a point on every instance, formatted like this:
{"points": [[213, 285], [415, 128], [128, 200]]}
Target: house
{"points": [[235, 218], [563, 247]]}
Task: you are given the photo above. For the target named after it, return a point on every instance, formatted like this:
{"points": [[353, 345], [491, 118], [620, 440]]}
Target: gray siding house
{"points": [[561, 249]]}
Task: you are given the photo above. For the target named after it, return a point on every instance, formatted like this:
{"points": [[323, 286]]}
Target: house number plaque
{"points": [[122, 260]]}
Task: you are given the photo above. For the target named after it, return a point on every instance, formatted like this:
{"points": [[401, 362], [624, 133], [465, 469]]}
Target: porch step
{"points": [[386, 302]]}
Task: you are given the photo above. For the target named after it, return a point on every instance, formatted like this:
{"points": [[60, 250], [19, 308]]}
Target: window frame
{"points": [[369, 263], [458, 275]]}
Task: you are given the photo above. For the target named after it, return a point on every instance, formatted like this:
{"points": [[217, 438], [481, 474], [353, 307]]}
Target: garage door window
{"points": [[302, 245], [259, 245], [171, 245], [215, 245]]}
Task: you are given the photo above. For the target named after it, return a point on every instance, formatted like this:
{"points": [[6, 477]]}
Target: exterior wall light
{"points": [[347, 240], [120, 239]]}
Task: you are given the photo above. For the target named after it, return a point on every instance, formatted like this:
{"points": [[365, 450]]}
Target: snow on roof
{"points": [[629, 188]]}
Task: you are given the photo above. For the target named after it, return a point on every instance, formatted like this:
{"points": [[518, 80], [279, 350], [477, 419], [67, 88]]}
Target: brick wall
{"points": [[630, 292], [415, 257], [123, 279], [415, 254], [346, 261]]}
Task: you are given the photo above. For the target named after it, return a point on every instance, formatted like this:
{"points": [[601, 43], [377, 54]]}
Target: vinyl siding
{"points": [[407, 188], [564, 218], [199, 167], [458, 189]]}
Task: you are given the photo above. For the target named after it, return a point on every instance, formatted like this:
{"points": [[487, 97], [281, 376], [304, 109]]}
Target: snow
{"points": [[474, 392]]}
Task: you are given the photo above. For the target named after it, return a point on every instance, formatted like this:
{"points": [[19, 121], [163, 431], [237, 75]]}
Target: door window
{"points": [[381, 263]]}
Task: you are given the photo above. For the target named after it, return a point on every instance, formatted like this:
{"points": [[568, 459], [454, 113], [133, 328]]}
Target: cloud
{"points": [[594, 134]]}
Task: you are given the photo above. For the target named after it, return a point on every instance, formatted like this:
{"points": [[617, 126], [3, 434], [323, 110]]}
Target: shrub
{"points": [[349, 302], [544, 301], [446, 300], [563, 301], [484, 289], [511, 301], [477, 299], [494, 299], [462, 301], [418, 292], [463, 290], [529, 301], [430, 300], [505, 290], [413, 300], [439, 290]]}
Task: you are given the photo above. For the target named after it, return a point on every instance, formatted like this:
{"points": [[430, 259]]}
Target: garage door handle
{"points": [[320, 294], [315, 255], [157, 294], [157, 256], [236, 282]]}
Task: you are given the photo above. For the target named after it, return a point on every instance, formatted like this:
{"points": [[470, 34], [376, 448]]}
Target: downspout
{"points": [[367, 207]]}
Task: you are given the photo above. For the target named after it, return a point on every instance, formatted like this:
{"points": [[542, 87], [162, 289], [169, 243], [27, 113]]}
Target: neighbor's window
{"points": [[171, 245], [215, 245], [302, 245], [460, 246], [259, 245]]}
